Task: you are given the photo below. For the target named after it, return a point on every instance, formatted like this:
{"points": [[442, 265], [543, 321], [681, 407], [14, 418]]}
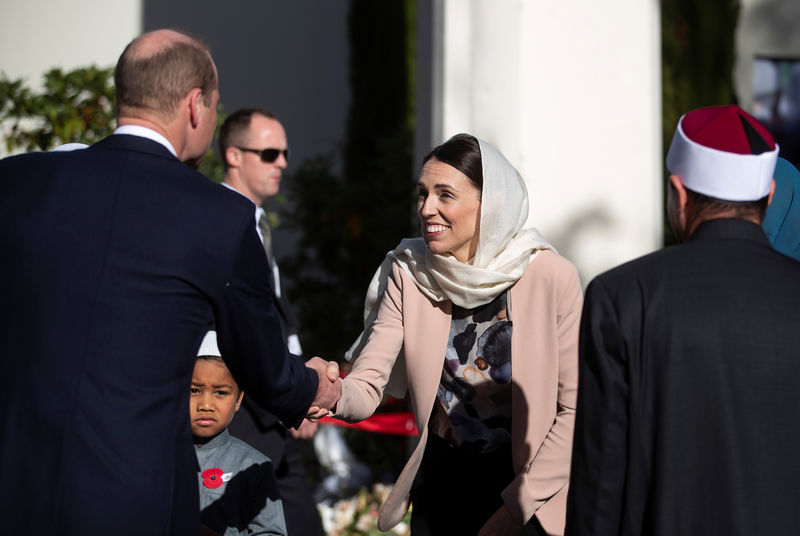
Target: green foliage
{"points": [[74, 106], [698, 54], [211, 165], [348, 220]]}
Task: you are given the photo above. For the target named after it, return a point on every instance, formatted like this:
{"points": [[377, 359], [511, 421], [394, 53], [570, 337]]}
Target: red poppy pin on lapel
{"points": [[214, 477]]}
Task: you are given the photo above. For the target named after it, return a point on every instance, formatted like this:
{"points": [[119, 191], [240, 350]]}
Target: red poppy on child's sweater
{"points": [[212, 478]]}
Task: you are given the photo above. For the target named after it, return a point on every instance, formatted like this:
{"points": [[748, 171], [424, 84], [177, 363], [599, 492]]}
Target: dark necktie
{"points": [[266, 234]]}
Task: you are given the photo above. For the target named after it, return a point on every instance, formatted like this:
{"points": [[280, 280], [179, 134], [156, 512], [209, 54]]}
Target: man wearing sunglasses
{"points": [[255, 153]]}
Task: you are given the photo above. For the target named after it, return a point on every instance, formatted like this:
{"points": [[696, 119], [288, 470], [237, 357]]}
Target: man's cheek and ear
{"points": [[239, 401], [676, 207]]}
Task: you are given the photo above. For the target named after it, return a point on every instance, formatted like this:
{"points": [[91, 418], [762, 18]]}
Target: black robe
{"points": [[688, 418]]}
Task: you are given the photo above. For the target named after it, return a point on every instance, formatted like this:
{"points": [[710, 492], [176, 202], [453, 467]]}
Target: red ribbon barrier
{"points": [[398, 423]]}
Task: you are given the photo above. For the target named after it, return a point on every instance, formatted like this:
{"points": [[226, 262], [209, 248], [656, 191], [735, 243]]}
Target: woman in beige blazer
{"points": [[478, 322]]}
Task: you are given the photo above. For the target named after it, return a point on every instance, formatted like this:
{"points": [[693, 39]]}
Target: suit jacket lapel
{"points": [[433, 327]]}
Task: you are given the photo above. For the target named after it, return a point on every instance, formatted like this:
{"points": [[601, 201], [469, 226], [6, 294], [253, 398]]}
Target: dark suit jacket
{"points": [[265, 432], [116, 259], [688, 418], [286, 315]]}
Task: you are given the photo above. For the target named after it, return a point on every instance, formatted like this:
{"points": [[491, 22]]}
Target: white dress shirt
{"points": [[149, 133]]}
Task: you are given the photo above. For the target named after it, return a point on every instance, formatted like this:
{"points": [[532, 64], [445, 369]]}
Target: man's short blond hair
{"points": [[156, 80]]}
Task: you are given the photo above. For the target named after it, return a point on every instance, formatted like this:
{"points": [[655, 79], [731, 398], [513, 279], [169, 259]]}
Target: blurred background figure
{"points": [[782, 220], [343, 474], [70, 147]]}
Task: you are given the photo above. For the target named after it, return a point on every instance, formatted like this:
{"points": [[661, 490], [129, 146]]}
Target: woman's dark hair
{"points": [[463, 152]]}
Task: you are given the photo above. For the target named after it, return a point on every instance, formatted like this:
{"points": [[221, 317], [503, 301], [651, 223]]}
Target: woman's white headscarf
{"points": [[504, 250]]}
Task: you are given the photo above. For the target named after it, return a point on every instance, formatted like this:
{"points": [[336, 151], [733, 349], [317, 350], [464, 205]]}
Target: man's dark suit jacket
{"points": [[688, 418], [115, 261], [264, 431]]}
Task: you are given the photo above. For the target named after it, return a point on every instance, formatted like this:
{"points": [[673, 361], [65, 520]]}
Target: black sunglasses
{"points": [[267, 155]]}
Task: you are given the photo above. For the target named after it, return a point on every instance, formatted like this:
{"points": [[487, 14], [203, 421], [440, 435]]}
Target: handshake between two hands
{"points": [[329, 390]]}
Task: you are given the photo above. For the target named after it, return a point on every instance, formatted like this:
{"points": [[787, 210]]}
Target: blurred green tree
{"points": [[698, 54], [348, 220], [72, 106]]}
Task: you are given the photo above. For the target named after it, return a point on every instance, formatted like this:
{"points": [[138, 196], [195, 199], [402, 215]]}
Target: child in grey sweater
{"points": [[238, 492]]}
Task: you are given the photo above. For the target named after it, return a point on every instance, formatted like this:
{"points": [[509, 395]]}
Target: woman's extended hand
{"points": [[315, 413], [501, 524]]}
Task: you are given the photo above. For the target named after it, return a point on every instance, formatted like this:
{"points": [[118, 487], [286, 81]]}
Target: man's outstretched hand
{"points": [[329, 390]]}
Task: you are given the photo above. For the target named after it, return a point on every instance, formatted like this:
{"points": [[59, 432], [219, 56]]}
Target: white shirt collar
{"points": [[144, 132]]}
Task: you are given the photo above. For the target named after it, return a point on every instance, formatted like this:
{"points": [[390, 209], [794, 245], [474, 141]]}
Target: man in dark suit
{"points": [[255, 152], [116, 259], [688, 401]]}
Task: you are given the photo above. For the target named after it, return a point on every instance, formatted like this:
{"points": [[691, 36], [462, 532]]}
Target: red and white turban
{"points": [[723, 152]]}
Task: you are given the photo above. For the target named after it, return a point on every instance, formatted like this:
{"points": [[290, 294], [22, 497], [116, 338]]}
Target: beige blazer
{"points": [[545, 307]]}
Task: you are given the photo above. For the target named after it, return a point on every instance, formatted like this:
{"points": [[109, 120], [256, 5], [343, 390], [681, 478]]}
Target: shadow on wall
{"points": [[583, 239]]}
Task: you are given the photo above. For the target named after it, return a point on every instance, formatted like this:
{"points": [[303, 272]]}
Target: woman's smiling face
{"points": [[449, 210]]}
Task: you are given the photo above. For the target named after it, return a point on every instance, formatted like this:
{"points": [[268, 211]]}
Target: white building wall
{"points": [[570, 92], [38, 35]]}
